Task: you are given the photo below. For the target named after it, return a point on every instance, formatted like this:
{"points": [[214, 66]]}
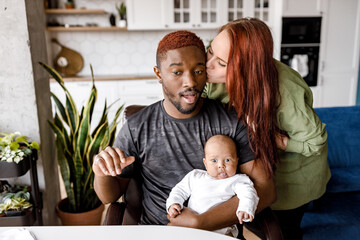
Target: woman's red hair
{"points": [[253, 85]]}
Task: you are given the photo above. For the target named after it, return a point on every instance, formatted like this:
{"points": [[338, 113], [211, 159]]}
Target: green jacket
{"points": [[303, 170]]}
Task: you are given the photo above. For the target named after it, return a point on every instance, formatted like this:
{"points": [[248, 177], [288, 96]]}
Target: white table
{"points": [[118, 233]]}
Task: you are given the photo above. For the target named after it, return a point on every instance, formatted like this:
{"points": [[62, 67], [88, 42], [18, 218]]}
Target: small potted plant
{"points": [[14, 152], [15, 201], [69, 4], [122, 14], [15, 206]]}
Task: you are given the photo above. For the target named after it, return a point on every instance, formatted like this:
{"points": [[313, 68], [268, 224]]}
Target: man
{"points": [[165, 141]]}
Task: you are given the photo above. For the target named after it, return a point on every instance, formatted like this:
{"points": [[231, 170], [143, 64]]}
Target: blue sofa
{"points": [[336, 215]]}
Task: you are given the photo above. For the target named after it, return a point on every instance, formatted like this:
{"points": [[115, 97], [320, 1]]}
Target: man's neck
{"points": [[172, 111]]}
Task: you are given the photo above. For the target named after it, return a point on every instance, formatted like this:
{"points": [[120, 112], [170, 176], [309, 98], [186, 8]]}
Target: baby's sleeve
{"points": [[248, 198], [180, 192]]}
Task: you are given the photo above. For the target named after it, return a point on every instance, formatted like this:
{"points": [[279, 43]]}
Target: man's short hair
{"points": [[175, 40]]}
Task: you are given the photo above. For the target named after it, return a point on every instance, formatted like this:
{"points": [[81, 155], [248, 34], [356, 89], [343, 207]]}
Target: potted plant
{"points": [[14, 152], [122, 14], [69, 4], [15, 206], [15, 203], [76, 146]]}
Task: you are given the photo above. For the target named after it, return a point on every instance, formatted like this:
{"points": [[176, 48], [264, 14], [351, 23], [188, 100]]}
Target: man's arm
{"points": [[224, 215], [106, 165]]}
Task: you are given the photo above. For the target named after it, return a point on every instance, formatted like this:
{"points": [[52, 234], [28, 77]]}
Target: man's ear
{"points": [[158, 73]]}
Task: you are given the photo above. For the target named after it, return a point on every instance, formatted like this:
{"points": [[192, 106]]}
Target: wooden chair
{"points": [[128, 211]]}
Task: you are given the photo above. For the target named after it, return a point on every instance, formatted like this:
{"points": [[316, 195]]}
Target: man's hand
{"points": [[187, 218], [111, 162], [174, 210], [244, 216]]}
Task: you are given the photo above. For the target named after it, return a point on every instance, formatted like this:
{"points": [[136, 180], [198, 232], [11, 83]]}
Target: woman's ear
{"points": [[157, 73]]}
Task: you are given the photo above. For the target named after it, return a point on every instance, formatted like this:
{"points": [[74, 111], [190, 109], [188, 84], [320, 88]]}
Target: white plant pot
{"points": [[122, 23]]}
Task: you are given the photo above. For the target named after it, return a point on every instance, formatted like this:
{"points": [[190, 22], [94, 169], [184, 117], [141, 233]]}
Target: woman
{"points": [[276, 103]]}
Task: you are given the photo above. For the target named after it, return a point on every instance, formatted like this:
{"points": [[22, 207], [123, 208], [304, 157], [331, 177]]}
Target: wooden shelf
{"points": [[75, 11], [83, 29], [106, 78]]}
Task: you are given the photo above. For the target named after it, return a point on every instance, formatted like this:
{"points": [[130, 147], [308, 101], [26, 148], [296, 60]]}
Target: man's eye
{"points": [[199, 71], [177, 73]]}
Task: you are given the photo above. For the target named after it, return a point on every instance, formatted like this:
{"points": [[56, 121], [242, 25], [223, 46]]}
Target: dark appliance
{"points": [[300, 45]]}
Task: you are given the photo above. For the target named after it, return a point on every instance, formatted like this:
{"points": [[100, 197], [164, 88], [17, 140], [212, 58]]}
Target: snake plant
{"points": [[76, 144]]}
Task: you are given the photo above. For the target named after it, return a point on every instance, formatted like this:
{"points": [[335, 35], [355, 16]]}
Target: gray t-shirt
{"points": [[166, 149]]}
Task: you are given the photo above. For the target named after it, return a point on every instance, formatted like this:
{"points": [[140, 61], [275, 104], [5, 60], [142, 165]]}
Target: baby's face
{"points": [[220, 159]]}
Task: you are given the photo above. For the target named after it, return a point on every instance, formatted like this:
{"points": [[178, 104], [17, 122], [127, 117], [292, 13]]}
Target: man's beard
{"points": [[177, 104]]}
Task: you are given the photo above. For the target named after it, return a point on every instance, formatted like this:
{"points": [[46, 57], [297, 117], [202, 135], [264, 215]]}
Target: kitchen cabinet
{"points": [[249, 8], [195, 14], [303, 8], [339, 53], [145, 15], [181, 14]]}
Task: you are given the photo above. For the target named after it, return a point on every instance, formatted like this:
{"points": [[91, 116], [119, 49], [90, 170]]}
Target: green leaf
{"points": [[78, 176], [35, 145], [65, 174], [14, 146], [61, 108], [96, 142], [59, 133], [71, 113], [53, 73], [102, 120], [21, 139]]}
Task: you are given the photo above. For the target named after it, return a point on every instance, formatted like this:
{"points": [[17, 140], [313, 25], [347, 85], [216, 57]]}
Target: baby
{"points": [[206, 189]]}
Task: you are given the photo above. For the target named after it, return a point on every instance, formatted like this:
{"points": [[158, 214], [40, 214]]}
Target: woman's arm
{"points": [[296, 116], [224, 215]]}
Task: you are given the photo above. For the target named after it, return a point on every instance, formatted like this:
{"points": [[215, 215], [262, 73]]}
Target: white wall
{"points": [[112, 52], [24, 92]]}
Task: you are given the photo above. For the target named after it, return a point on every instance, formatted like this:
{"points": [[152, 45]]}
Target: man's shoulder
{"points": [[216, 107], [143, 113]]}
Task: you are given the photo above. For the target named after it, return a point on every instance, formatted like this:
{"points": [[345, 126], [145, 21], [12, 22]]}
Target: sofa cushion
{"points": [[343, 128], [333, 216]]}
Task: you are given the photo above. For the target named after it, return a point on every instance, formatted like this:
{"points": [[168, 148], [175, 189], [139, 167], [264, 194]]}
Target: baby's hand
{"points": [[174, 210], [244, 215]]}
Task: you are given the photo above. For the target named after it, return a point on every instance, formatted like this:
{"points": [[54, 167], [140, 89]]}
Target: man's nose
{"points": [[189, 80]]}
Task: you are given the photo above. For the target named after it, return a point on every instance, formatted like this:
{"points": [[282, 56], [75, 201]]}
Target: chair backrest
{"points": [[133, 194]]}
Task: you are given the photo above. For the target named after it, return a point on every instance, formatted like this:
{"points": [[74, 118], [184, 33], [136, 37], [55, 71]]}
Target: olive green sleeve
{"points": [[216, 91], [296, 116]]}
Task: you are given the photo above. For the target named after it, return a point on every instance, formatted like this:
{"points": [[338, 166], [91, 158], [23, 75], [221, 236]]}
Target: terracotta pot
{"points": [[92, 217]]}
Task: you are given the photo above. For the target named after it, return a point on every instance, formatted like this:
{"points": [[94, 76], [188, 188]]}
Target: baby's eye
{"points": [[227, 160], [213, 160], [210, 51]]}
